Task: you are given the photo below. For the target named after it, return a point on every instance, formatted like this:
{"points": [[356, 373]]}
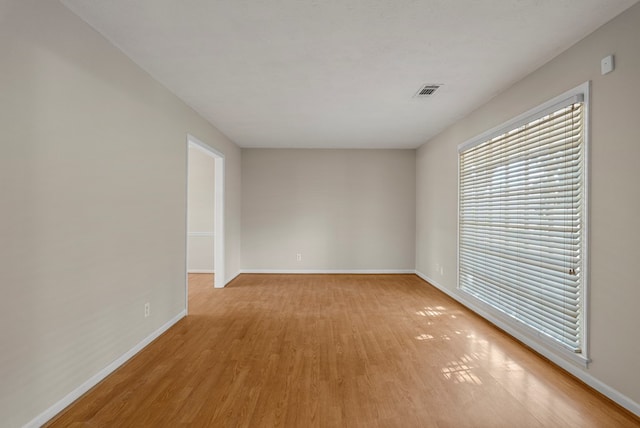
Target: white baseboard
{"points": [[52, 411], [581, 374], [334, 271], [201, 271]]}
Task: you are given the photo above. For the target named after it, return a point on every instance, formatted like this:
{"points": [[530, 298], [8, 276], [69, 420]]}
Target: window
{"points": [[522, 210]]}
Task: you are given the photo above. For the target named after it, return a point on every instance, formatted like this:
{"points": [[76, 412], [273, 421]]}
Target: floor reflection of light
{"points": [[424, 337], [432, 311], [461, 371], [510, 365]]}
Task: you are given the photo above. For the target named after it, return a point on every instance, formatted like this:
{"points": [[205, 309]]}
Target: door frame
{"points": [[219, 220]]}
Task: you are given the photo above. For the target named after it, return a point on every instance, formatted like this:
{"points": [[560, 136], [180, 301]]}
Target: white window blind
{"points": [[521, 222]]}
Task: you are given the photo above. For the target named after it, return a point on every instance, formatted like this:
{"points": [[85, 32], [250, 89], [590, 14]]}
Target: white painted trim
{"points": [[203, 147], [52, 411], [586, 263], [219, 214], [186, 229], [219, 222], [201, 271], [578, 372], [201, 235], [335, 271]]}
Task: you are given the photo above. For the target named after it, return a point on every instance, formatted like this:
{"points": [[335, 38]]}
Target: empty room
{"points": [[300, 213]]}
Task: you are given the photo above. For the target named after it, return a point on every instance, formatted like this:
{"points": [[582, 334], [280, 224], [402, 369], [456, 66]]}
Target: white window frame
{"points": [[528, 335]]}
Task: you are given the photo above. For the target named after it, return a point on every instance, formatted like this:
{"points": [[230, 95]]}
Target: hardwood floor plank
{"points": [[333, 351]]}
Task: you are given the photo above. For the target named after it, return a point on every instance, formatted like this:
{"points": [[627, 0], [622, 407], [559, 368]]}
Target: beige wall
{"points": [[615, 198], [340, 209], [93, 190], [200, 200]]}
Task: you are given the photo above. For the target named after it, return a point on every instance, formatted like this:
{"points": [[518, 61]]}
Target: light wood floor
{"points": [[337, 351]]}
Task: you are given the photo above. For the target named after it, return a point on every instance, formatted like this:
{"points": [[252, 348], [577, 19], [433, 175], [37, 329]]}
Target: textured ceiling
{"points": [[340, 73]]}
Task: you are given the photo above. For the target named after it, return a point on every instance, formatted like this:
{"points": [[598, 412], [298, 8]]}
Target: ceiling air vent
{"points": [[427, 90]]}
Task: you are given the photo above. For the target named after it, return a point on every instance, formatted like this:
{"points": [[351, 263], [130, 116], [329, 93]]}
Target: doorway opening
{"points": [[205, 213]]}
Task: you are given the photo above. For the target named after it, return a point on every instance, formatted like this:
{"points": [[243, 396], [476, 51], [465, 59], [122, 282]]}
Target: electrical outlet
{"points": [[147, 309], [299, 257], [441, 270]]}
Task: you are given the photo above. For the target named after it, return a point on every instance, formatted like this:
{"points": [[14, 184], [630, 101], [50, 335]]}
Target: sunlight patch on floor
{"points": [[461, 371], [429, 311]]}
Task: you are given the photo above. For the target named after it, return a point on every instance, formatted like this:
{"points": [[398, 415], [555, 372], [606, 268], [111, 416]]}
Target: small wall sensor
{"points": [[606, 65]]}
